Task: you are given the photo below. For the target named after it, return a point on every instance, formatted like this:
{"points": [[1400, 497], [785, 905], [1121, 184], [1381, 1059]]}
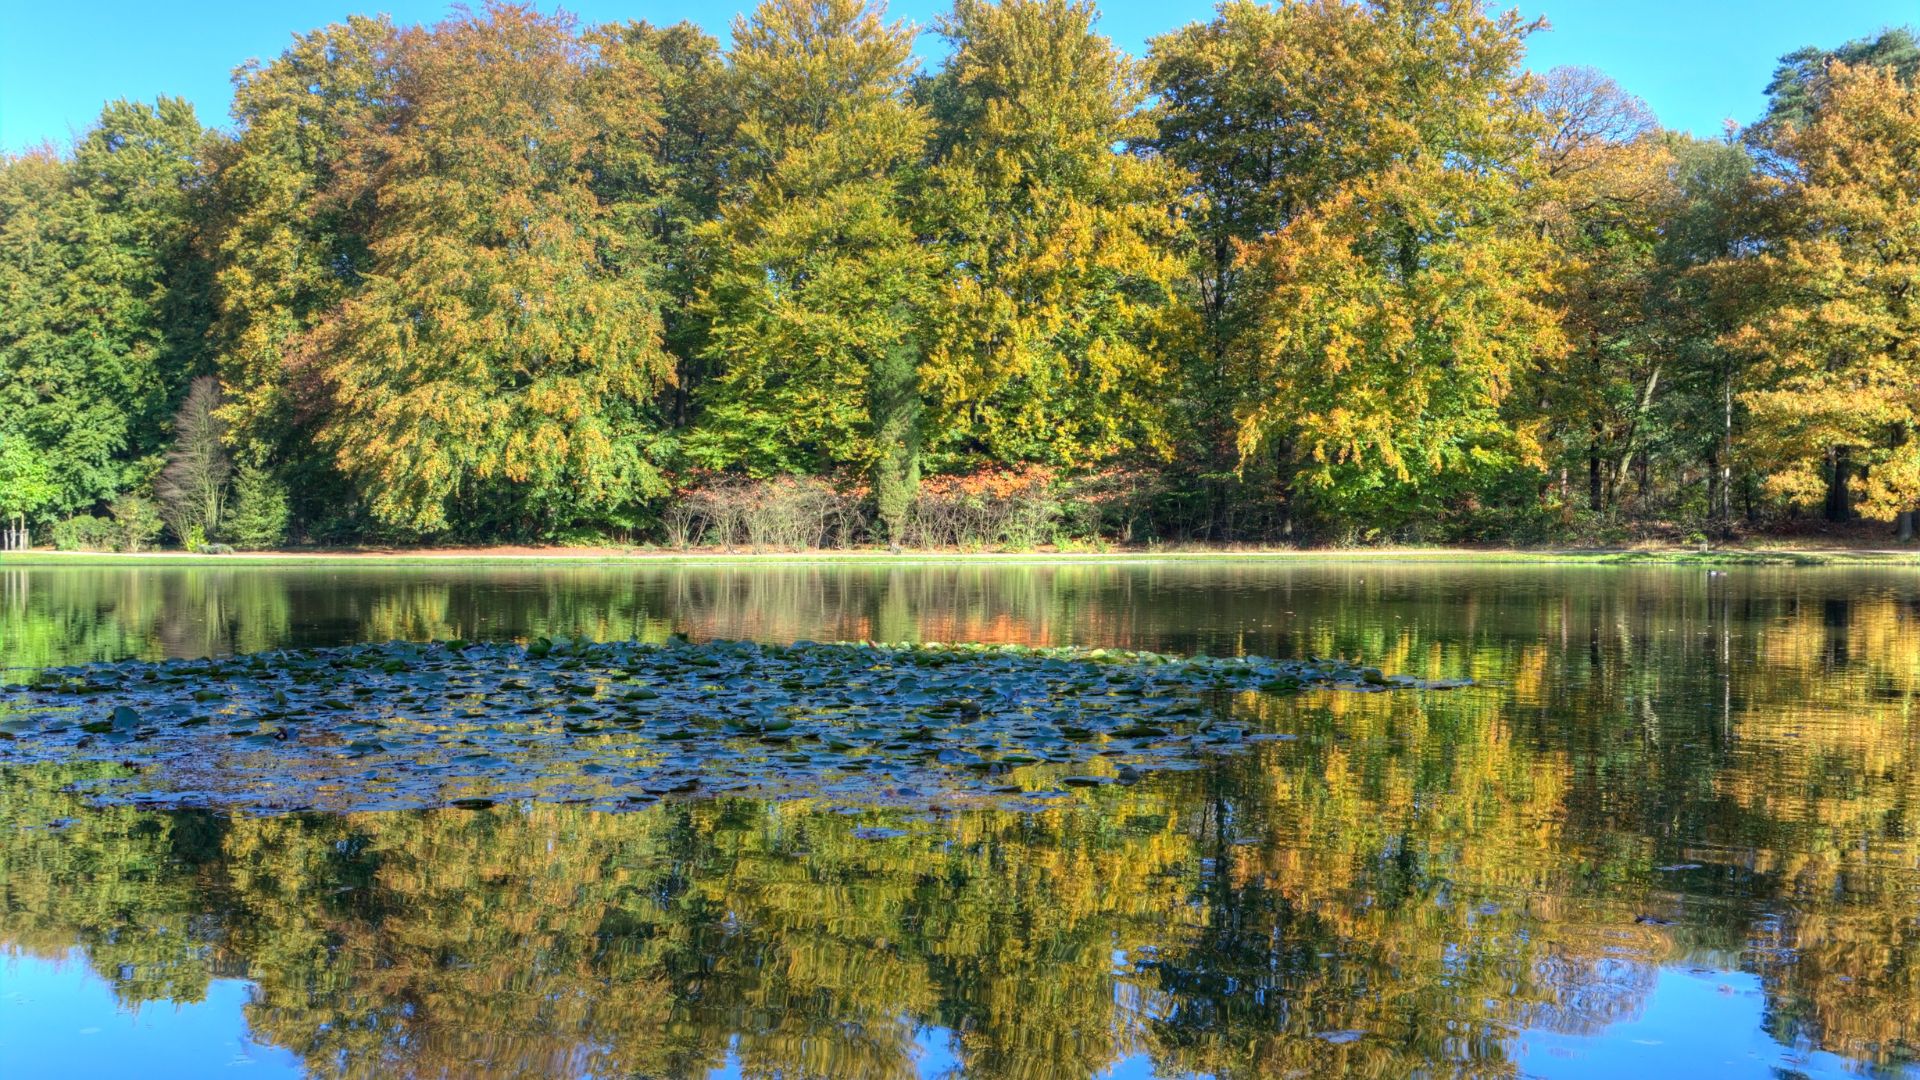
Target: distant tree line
{"points": [[1312, 270]]}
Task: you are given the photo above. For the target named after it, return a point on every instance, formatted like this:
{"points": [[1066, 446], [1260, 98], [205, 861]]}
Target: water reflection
{"points": [[1677, 810]]}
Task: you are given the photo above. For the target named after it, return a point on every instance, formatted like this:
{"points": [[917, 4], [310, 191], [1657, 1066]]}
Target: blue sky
{"points": [[1697, 62]]}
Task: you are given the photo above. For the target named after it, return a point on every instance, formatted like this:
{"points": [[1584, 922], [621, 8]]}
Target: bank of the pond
{"points": [[1729, 556]]}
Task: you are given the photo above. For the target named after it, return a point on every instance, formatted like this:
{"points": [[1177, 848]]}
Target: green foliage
{"points": [[817, 270], [138, 521], [86, 532], [106, 300], [258, 515], [1801, 79], [1312, 269], [27, 488]]}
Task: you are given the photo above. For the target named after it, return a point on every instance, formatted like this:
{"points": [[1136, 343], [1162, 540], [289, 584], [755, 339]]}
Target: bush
{"points": [[1117, 504], [138, 521], [257, 517], [785, 512], [1013, 508], [86, 533]]}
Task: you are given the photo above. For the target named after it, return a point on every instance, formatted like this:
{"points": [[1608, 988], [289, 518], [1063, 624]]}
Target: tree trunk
{"points": [[1593, 480], [1903, 526], [1839, 470], [1726, 461], [1713, 486]]}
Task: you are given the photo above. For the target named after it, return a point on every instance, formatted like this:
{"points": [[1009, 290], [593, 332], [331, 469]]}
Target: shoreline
{"points": [[588, 556]]}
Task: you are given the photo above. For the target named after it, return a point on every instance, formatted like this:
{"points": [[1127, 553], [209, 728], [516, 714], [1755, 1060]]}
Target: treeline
{"points": [[1313, 270]]}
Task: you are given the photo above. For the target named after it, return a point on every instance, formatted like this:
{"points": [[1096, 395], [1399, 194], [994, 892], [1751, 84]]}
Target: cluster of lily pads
{"points": [[405, 725]]}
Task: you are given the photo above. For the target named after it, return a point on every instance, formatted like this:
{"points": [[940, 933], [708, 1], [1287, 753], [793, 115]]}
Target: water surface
{"points": [[1671, 831]]}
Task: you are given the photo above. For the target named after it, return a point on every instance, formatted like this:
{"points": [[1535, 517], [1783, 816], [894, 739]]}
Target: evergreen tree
{"points": [[257, 512], [105, 297]]}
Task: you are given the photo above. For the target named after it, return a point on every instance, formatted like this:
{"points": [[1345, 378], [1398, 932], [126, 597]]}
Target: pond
{"points": [[1672, 827]]}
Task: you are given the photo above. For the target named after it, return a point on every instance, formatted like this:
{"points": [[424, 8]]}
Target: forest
{"points": [[1313, 271]]}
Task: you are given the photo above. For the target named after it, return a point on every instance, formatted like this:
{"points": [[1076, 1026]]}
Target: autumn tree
{"points": [[1253, 107], [671, 192], [291, 237], [1706, 226], [817, 273], [499, 361], [1837, 339], [1052, 329], [1390, 295], [1606, 176]]}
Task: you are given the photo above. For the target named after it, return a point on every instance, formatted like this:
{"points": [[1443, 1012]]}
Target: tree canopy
{"points": [[1306, 268]]}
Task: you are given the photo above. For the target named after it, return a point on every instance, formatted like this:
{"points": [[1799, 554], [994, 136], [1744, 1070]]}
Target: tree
{"points": [[1699, 293], [291, 236], [498, 363], [1800, 80], [1052, 330], [105, 310], [27, 490], [1252, 106], [193, 487], [818, 273], [257, 519], [1374, 288], [671, 192], [1391, 327], [138, 520], [1303, 110], [1837, 341], [1606, 178]]}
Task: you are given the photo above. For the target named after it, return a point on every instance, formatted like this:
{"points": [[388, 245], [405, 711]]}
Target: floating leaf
{"points": [[888, 723]]}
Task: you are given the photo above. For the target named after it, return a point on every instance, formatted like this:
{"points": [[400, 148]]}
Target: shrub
{"points": [[257, 518], [85, 533], [784, 512], [138, 521], [1115, 503], [1014, 508]]}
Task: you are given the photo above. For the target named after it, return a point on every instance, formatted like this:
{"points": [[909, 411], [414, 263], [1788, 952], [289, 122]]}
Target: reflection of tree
{"points": [[63, 615], [1398, 872], [1436, 871], [126, 886], [551, 940]]}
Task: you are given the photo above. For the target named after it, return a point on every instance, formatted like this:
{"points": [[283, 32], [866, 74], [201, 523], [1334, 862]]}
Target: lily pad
{"points": [[862, 723]]}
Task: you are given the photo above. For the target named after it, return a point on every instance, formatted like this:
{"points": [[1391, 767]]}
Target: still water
{"points": [[1670, 831]]}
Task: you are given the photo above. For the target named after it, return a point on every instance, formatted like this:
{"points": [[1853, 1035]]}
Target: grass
{"points": [[1736, 556]]}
